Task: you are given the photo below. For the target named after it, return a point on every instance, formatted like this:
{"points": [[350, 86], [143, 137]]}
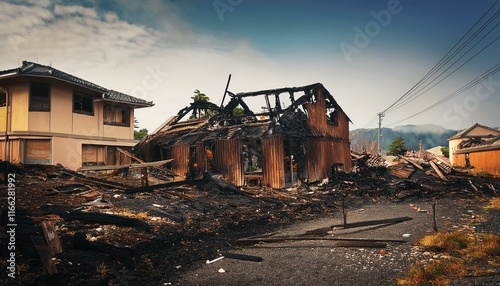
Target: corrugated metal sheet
{"points": [[180, 154], [229, 161], [322, 154], [273, 168], [316, 112], [201, 158]]}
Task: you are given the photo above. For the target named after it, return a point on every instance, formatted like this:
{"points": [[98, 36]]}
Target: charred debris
{"points": [[225, 180], [276, 148]]}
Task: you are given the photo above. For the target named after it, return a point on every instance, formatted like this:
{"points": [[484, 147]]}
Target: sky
{"points": [[367, 53]]}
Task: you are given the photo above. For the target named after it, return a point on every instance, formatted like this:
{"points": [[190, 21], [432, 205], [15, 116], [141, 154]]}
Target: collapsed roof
{"points": [[223, 124]]}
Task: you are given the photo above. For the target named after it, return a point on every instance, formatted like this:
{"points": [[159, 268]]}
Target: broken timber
{"points": [[301, 238], [411, 162], [163, 170], [94, 217], [130, 166], [436, 169], [324, 230], [96, 181]]}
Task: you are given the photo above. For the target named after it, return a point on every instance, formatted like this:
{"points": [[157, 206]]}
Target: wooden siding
{"points": [[93, 154], [322, 154], [229, 161], [201, 158], [273, 168], [180, 154], [37, 151], [15, 153], [485, 161], [317, 122]]}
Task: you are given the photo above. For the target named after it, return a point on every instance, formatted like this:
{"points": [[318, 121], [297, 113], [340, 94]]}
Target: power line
{"points": [[416, 95], [459, 91], [445, 58]]}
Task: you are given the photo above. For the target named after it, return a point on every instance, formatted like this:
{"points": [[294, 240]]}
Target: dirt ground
{"points": [[188, 224], [320, 263]]}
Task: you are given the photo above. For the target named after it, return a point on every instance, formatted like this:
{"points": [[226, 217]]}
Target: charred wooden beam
{"points": [[436, 169], [371, 222], [302, 238], [51, 236], [96, 181], [161, 169], [411, 162], [365, 244], [152, 188], [130, 166], [94, 217]]}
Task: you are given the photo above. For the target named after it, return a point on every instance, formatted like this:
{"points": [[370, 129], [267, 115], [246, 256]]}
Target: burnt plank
{"points": [[45, 254], [94, 217], [51, 236], [372, 222]]}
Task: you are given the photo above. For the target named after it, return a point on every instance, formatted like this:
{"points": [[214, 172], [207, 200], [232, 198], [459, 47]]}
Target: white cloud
{"points": [[166, 61]]}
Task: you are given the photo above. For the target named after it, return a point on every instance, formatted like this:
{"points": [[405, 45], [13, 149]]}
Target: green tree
{"points": [[201, 113], [199, 96], [139, 134], [446, 152], [238, 111], [397, 146]]}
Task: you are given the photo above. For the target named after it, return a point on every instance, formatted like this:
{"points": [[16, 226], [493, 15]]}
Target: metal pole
{"points": [[379, 134]]}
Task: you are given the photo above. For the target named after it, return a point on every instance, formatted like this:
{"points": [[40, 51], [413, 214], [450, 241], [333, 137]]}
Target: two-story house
{"points": [[48, 116]]}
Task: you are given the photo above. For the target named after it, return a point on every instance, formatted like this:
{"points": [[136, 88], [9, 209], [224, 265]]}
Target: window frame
{"points": [[34, 105], [115, 109], [83, 96], [3, 98]]}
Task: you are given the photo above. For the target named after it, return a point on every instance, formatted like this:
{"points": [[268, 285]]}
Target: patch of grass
{"points": [[448, 242], [485, 247], [494, 204], [438, 273], [129, 213], [101, 270], [469, 250]]}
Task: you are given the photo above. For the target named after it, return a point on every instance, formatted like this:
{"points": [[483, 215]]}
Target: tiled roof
{"points": [[34, 69], [463, 133], [491, 144]]}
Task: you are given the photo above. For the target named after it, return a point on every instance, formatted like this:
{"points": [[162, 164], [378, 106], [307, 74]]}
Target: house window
{"points": [[37, 151], [3, 99], [83, 103], [332, 117], [93, 155], [116, 115], [39, 96]]}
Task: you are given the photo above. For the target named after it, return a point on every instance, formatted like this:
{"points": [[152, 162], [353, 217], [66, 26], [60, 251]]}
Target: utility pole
{"points": [[379, 135]]}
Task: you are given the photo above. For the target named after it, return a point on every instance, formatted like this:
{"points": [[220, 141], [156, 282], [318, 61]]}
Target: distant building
{"points": [[48, 116], [477, 147], [476, 132], [436, 151]]}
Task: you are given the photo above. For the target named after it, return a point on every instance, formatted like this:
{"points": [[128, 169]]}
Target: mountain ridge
{"points": [[432, 135]]}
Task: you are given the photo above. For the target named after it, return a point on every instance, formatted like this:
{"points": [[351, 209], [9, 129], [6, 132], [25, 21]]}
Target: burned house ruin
{"points": [[306, 140]]}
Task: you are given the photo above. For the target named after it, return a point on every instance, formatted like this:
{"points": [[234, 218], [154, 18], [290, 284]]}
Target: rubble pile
{"points": [[113, 229]]}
